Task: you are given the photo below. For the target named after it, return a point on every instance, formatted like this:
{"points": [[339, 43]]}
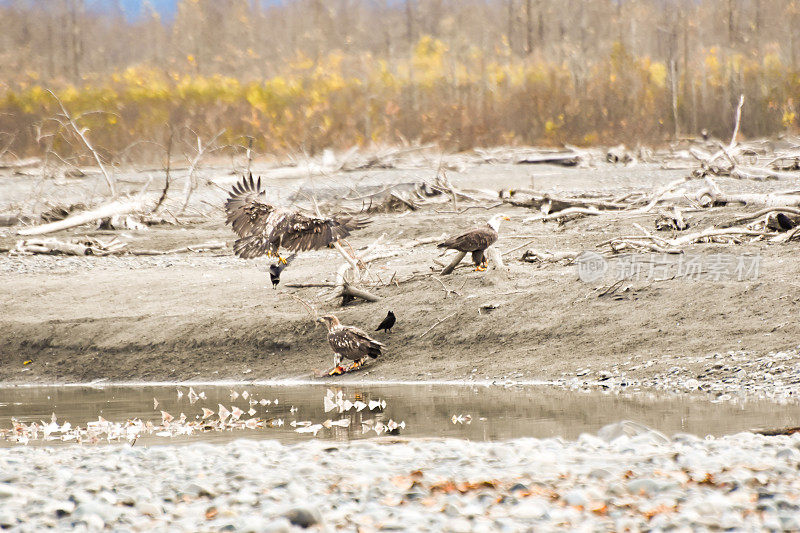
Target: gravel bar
{"points": [[734, 376], [625, 477]]}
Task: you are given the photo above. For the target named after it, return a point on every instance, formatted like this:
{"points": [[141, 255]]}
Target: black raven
{"points": [[387, 323]]}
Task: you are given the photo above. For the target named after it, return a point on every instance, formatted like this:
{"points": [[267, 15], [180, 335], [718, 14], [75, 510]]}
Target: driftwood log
{"points": [[547, 203], [348, 290], [709, 197], [454, 263], [52, 246], [197, 248], [537, 256], [529, 156], [108, 210]]}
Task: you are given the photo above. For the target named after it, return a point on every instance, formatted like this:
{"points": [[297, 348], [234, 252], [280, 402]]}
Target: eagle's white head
{"points": [[494, 222], [330, 321]]}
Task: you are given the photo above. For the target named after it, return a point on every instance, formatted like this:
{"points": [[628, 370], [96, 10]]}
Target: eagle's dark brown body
{"points": [[264, 228], [350, 342], [474, 241]]}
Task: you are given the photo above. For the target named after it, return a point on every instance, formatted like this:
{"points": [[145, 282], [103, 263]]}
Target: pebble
{"points": [[149, 509], [7, 518], [575, 497], [625, 477], [303, 517], [744, 376]]}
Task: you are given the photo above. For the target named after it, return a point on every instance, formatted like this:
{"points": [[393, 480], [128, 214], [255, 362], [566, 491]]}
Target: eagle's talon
{"points": [[282, 260], [337, 371]]}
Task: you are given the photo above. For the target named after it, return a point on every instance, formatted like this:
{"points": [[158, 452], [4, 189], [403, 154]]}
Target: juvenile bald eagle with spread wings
{"points": [[349, 342], [476, 241], [264, 228]]}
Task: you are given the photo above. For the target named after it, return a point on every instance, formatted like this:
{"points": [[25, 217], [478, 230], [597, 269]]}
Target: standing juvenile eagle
{"points": [[349, 342], [476, 241], [264, 228]]}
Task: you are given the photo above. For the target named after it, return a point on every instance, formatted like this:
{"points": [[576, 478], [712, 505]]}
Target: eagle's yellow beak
{"points": [[506, 218]]}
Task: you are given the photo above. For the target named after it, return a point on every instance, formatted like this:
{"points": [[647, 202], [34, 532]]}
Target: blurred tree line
{"points": [[309, 74]]}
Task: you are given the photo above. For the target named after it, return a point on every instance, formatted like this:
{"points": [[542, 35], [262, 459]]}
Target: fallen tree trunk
{"points": [[205, 247], [52, 246], [709, 197], [529, 156], [658, 244], [355, 292], [563, 213], [757, 173], [551, 204], [714, 232], [454, 263], [533, 256], [567, 159], [107, 210]]}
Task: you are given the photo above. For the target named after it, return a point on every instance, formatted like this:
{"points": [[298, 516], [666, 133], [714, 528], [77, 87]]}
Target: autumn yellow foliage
{"points": [[431, 96]]}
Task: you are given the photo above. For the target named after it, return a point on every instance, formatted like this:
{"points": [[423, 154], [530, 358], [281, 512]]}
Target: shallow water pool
{"points": [[143, 415]]}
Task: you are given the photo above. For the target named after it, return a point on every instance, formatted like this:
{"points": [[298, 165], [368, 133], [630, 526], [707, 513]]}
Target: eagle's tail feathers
{"points": [[373, 351]]}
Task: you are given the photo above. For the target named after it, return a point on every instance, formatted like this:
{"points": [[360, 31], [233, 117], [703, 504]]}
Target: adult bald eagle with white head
{"points": [[476, 241], [264, 228]]}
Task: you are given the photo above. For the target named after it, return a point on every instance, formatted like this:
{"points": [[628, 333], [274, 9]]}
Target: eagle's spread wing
{"points": [[302, 233], [247, 208], [253, 246], [474, 239], [352, 343], [263, 228]]}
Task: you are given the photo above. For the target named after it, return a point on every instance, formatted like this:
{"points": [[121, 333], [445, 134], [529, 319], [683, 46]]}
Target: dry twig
{"points": [[80, 132], [437, 323]]}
